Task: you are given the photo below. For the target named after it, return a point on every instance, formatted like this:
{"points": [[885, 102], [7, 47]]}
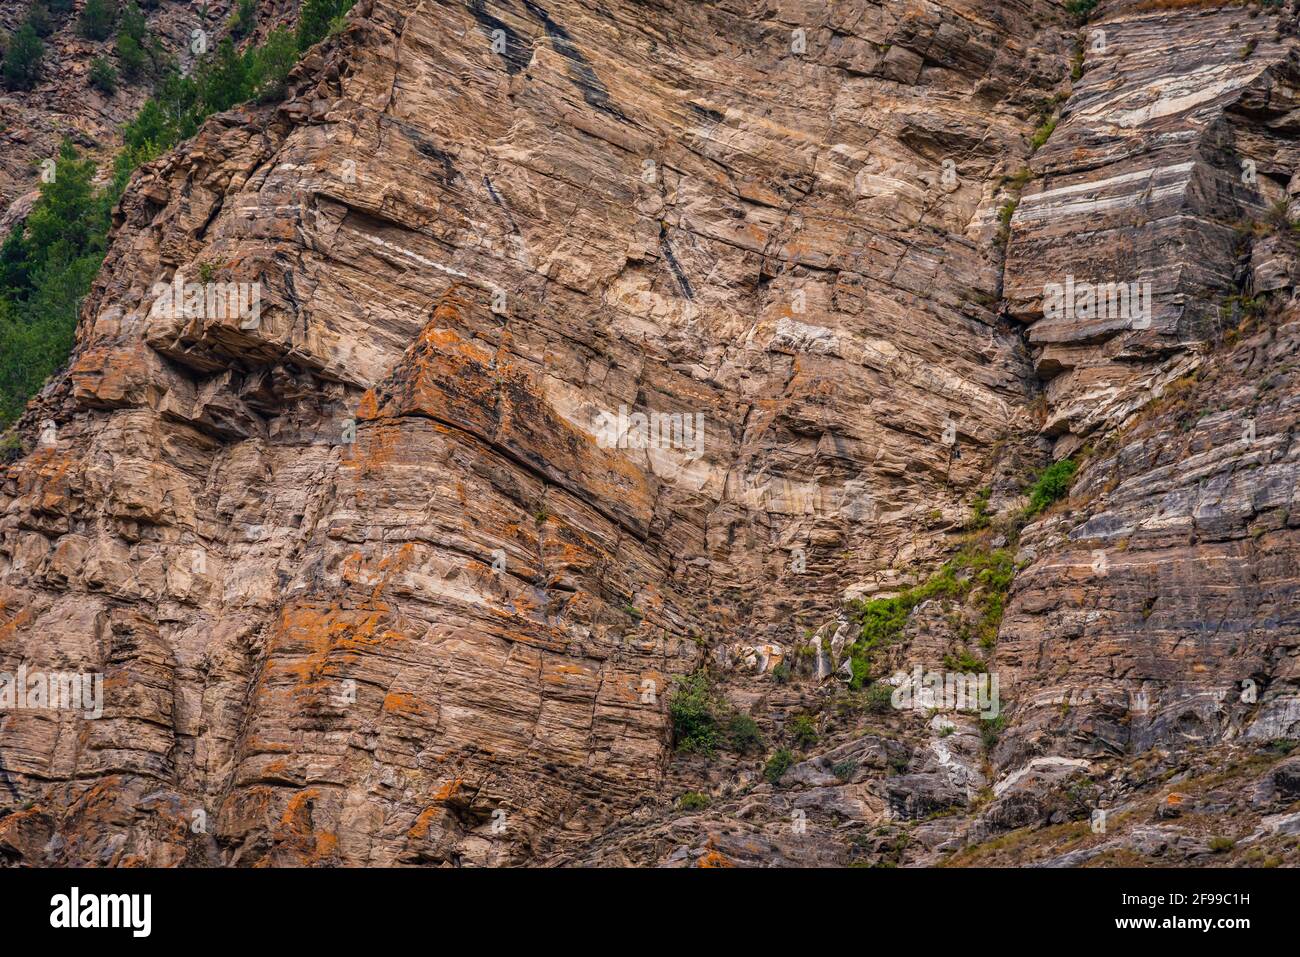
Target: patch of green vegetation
{"points": [[972, 574], [879, 698], [1051, 486], [46, 266], [1081, 9], [991, 729], [1221, 845], [1005, 212], [97, 19], [964, 661], [843, 770], [1243, 309], [23, 59], [693, 709], [693, 801], [11, 448], [320, 18], [743, 735], [1277, 219], [132, 32], [703, 722], [777, 765], [102, 76], [39, 17], [1014, 185], [980, 516], [803, 731], [1043, 132], [244, 19], [1017, 182]]}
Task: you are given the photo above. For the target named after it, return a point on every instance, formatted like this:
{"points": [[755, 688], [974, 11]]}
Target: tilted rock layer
{"points": [[369, 584]]}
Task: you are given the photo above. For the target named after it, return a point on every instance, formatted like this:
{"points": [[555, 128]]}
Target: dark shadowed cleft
{"points": [[712, 116], [513, 49], [448, 173], [580, 71], [667, 250]]}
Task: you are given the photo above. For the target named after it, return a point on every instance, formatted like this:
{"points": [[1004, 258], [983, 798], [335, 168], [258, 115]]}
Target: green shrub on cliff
{"points": [[777, 765], [47, 264], [318, 18], [102, 76], [22, 62], [97, 19], [693, 711], [1051, 486]]}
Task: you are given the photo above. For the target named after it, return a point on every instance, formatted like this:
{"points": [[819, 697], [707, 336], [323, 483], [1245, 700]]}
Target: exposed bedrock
{"points": [[372, 576]]}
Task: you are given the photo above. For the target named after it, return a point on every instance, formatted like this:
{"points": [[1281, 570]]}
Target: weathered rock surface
{"points": [[368, 585]]}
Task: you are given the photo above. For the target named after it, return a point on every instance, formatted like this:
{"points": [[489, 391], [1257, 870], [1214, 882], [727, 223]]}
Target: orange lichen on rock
{"points": [[402, 703], [329, 636], [296, 835], [714, 859], [15, 625], [420, 829], [448, 790]]}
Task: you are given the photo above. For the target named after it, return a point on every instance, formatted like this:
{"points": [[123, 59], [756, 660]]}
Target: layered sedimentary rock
{"points": [[1179, 127], [376, 574]]}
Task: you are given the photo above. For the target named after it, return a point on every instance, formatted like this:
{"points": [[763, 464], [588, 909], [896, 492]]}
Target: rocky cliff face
{"points": [[369, 582]]}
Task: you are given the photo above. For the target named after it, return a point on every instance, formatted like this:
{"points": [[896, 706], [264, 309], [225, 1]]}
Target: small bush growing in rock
{"points": [[22, 62], [991, 730], [102, 76], [743, 735], [803, 730], [693, 711], [777, 765], [962, 660], [1051, 486], [97, 19], [879, 698]]}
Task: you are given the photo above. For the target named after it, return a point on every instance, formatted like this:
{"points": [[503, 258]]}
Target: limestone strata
{"points": [[1179, 129]]}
